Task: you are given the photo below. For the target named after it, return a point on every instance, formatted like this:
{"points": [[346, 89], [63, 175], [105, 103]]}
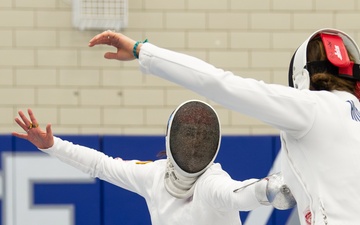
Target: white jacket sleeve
{"points": [[216, 187], [286, 108], [130, 175]]}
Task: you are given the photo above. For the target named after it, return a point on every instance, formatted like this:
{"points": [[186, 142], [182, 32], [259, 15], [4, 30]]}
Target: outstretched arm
{"points": [[126, 174], [269, 103], [38, 137]]}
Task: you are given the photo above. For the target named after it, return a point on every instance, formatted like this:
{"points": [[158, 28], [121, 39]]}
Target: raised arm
{"points": [[129, 175], [285, 108]]}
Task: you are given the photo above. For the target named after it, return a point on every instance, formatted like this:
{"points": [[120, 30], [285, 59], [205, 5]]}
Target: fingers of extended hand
{"points": [[19, 135], [106, 37], [34, 123], [110, 55], [25, 123]]}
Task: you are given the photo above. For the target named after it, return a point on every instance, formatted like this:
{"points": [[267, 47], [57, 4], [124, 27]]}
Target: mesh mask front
{"points": [[193, 137]]}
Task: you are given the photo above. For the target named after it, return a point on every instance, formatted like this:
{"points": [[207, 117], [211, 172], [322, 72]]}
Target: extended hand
{"points": [[41, 139], [122, 43]]}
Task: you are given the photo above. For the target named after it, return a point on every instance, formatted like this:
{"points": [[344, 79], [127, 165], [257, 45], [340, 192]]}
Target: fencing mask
{"points": [[335, 43], [192, 142]]}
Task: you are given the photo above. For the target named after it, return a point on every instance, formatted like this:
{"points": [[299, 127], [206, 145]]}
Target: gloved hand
{"points": [[272, 190]]}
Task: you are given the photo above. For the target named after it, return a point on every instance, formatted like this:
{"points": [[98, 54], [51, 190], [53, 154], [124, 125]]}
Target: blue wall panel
{"points": [[6, 146], [85, 198], [101, 203], [246, 157]]}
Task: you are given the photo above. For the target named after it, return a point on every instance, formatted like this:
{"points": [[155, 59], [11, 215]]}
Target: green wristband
{"points": [[135, 47]]}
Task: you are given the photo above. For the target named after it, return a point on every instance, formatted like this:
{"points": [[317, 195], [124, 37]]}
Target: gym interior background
{"points": [[46, 65]]}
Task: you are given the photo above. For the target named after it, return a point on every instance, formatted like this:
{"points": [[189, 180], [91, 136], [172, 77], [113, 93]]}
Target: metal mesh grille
{"points": [[100, 14]]}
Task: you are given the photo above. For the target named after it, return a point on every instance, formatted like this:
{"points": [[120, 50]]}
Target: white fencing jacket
{"points": [[213, 201], [320, 131]]}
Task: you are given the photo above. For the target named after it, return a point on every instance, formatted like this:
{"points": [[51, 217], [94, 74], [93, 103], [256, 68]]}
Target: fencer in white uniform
{"points": [[186, 188], [320, 128]]}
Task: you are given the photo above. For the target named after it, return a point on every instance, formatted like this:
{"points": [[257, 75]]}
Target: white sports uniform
{"points": [[213, 201], [320, 131]]}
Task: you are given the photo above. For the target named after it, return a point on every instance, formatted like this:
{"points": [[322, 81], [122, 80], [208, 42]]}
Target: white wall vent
{"points": [[100, 14]]}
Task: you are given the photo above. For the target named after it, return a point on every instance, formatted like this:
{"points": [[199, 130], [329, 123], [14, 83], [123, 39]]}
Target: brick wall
{"points": [[45, 63]]}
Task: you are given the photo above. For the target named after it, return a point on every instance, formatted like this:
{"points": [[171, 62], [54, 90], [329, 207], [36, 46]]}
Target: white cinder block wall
{"points": [[45, 63]]}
